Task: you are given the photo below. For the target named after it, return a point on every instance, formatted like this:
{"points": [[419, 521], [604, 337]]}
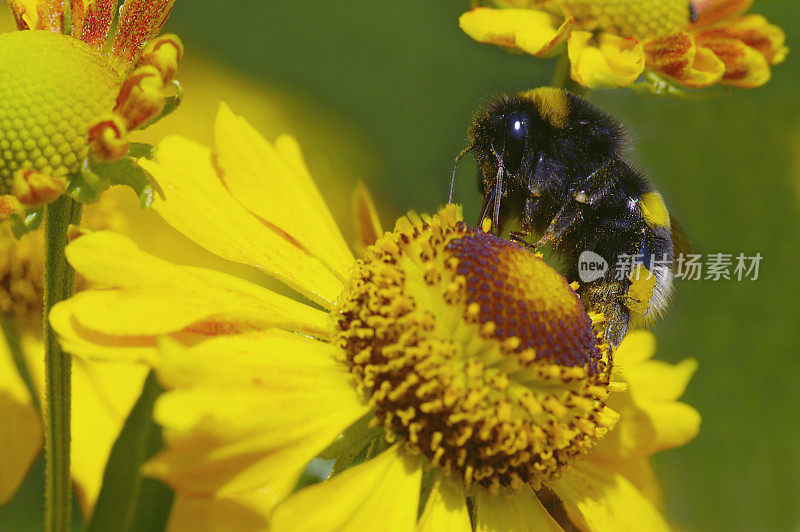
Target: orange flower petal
{"points": [[528, 30], [756, 32], [745, 67], [607, 61], [678, 57]]}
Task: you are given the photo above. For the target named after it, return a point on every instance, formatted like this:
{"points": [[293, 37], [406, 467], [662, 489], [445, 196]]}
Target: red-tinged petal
{"points": [[745, 67], [51, 14], [97, 22], [678, 57], [139, 21], [756, 32], [712, 11]]}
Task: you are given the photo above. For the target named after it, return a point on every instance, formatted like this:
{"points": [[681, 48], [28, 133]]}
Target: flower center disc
{"points": [[475, 352], [51, 88], [629, 18]]}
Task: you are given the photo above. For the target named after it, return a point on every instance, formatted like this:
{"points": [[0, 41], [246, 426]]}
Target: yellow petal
{"points": [[529, 30], [605, 61], [520, 511], [605, 501], [380, 494], [659, 381], [445, 510], [243, 513], [144, 295], [367, 224], [638, 346], [273, 183], [229, 440], [197, 204], [102, 397], [262, 358], [639, 471], [674, 424], [20, 428], [85, 343]]}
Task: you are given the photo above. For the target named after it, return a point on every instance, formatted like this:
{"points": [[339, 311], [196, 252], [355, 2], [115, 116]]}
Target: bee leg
{"points": [[518, 237], [617, 320], [567, 217]]}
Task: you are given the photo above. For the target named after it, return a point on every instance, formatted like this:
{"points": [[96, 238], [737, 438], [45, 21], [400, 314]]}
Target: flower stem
{"points": [[562, 79], [59, 284]]}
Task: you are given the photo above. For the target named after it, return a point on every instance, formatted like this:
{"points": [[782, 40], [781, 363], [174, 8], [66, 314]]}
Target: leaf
{"points": [[27, 223], [128, 501]]}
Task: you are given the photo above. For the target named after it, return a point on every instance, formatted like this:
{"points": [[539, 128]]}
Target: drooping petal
{"points": [[445, 510], [600, 500], [366, 221], [519, 511], [527, 30], [247, 512], [24, 12], [21, 432], [96, 22], [712, 11], [244, 360], [678, 57], [233, 439], [756, 32], [102, 396], [745, 67], [136, 284], [380, 494], [273, 182], [605, 61], [198, 205], [139, 21]]}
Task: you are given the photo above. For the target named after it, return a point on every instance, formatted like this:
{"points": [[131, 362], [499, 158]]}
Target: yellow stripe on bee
{"points": [[552, 104], [643, 283], [653, 209]]}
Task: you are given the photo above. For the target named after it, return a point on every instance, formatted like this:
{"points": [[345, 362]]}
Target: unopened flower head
{"points": [[72, 90]]}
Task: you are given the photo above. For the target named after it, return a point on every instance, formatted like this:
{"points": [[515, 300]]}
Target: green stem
{"points": [[562, 79], [59, 284], [11, 332]]}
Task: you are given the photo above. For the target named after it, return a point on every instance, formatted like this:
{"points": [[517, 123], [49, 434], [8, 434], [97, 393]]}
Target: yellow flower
{"points": [[611, 43], [102, 392], [446, 361], [71, 93]]}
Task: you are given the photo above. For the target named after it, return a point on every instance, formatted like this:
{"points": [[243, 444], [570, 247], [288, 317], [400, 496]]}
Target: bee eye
{"points": [[517, 127]]}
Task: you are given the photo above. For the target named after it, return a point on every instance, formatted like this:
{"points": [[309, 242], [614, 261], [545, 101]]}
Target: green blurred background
{"points": [[401, 80]]}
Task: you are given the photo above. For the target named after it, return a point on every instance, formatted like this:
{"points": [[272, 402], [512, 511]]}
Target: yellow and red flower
{"points": [[72, 90], [611, 43]]}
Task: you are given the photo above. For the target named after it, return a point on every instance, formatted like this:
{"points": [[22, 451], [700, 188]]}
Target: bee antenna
{"points": [[455, 168]]}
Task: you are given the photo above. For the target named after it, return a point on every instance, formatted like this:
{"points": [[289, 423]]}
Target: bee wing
{"points": [[681, 244]]}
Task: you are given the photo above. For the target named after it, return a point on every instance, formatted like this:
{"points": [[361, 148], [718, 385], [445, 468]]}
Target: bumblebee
{"points": [[553, 161]]}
